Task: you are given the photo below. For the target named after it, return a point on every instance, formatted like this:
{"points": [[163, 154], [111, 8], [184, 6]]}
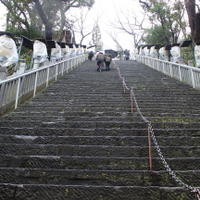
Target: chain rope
{"points": [[166, 166]]}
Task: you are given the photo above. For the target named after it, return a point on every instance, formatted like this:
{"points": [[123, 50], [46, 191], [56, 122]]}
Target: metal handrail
{"points": [[152, 136], [182, 72], [15, 90]]}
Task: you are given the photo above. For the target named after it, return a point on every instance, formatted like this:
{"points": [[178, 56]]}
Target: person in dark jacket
{"points": [[90, 55], [107, 60], [100, 60]]}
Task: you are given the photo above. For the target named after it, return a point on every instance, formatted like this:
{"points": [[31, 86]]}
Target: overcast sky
{"points": [[107, 11]]}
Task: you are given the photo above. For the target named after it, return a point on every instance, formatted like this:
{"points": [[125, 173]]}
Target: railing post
{"points": [[163, 65], [62, 68], [171, 70], [47, 79], [17, 92], [35, 85], [180, 75], [77, 62], [66, 66], [2, 87], [192, 78], [71, 64], [56, 75]]}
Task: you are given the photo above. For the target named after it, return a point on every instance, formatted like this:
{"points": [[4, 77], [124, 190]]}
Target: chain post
{"points": [[150, 149]]}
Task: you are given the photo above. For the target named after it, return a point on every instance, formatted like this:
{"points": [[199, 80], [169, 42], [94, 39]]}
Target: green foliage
{"points": [[156, 35], [167, 21], [26, 54], [188, 55], [31, 33], [49, 16]]}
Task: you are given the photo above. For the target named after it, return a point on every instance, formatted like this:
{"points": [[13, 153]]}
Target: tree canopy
{"points": [[42, 16], [166, 19]]}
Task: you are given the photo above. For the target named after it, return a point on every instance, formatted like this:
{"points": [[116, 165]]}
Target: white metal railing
{"points": [[182, 72], [28, 84]]}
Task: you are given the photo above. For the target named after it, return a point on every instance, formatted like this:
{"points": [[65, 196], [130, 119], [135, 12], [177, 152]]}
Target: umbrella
{"points": [[91, 46], [112, 52]]}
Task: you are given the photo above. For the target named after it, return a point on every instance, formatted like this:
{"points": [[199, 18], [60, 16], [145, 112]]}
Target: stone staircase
{"points": [[79, 140]]}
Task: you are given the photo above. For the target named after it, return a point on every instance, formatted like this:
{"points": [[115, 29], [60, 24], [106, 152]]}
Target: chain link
{"points": [[166, 166]]}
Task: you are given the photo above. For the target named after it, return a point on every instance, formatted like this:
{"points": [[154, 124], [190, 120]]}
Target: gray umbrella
{"points": [[112, 52]]}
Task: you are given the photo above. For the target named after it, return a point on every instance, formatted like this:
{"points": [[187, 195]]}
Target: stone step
{"points": [[165, 99], [75, 192], [68, 142], [156, 110], [182, 93], [42, 117], [63, 93], [95, 177], [168, 105], [172, 141], [73, 150], [72, 113], [180, 125], [109, 108], [82, 102], [97, 162], [172, 115], [34, 132], [71, 124], [159, 89], [100, 114], [96, 150], [174, 119], [63, 108], [29, 131], [96, 124], [100, 117]]}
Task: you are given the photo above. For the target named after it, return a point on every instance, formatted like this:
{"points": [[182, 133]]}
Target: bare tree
{"points": [[81, 25], [131, 25], [116, 40]]}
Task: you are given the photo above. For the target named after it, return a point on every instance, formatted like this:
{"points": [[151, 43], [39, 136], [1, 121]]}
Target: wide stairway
{"points": [[78, 140]]}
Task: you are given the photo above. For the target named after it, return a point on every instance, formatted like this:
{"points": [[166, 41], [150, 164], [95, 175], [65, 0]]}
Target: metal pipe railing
{"points": [[151, 136], [14, 88], [182, 72]]}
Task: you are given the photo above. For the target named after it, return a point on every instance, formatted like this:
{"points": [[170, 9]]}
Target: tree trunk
{"points": [[66, 36], [197, 28], [194, 20], [47, 24]]}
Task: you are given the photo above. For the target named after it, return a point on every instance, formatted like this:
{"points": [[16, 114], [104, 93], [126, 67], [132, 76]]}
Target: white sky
{"points": [[2, 17], [108, 10]]}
